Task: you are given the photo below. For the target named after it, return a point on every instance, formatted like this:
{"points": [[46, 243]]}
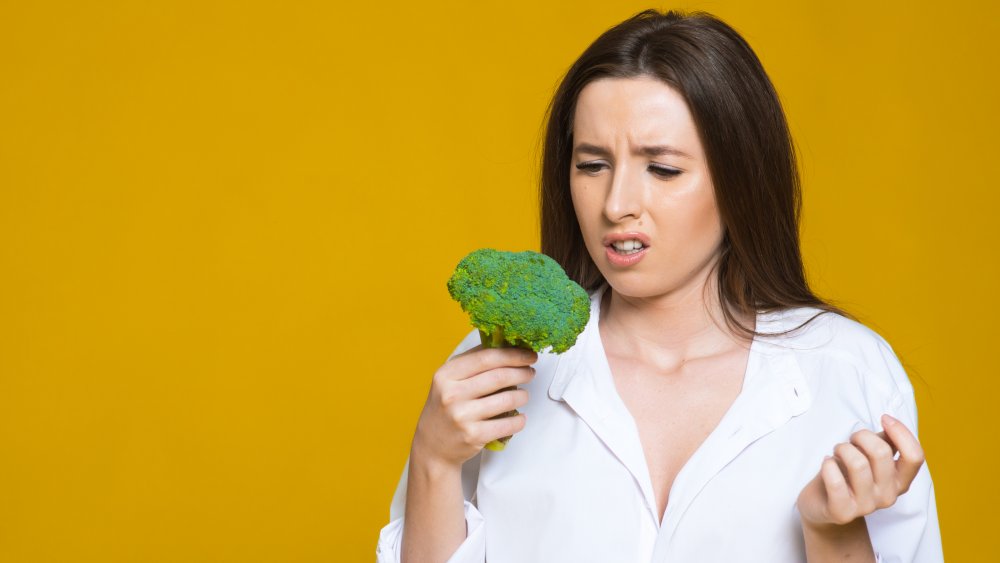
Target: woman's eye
{"points": [[664, 172], [589, 168], [593, 167]]}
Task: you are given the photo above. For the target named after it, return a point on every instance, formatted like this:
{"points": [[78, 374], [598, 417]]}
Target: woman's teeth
{"points": [[627, 246]]}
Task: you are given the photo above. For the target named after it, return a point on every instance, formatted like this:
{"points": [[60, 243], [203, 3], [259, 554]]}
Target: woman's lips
{"points": [[624, 259], [631, 235]]}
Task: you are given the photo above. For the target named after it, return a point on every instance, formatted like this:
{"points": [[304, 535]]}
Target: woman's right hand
{"points": [[455, 422]]}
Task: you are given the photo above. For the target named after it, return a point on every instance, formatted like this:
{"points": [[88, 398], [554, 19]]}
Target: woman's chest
{"points": [[675, 413]]}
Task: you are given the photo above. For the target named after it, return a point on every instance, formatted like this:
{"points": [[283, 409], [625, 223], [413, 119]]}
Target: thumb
{"points": [[911, 455]]}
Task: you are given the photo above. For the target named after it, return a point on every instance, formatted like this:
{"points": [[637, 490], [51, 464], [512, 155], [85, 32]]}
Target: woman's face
{"points": [[621, 184]]}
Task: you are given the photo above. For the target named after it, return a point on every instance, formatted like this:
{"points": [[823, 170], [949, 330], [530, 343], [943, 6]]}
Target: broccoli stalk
{"points": [[519, 299], [494, 340]]}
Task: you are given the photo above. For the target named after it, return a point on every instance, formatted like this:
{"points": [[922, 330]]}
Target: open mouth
{"points": [[627, 247]]}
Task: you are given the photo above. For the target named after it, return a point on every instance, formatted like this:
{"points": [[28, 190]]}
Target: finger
{"points": [[476, 361], [883, 468], [495, 429], [859, 476], [470, 350], [888, 440], [493, 380], [839, 504], [911, 455], [496, 404]]}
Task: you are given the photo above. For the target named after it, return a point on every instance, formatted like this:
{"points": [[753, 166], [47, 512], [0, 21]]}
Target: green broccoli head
{"points": [[520, 299]]}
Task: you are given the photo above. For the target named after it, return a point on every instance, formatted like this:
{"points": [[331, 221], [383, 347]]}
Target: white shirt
{"points": [[573, 486]]}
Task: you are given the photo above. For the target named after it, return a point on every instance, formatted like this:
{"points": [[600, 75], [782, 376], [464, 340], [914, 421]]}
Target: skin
{"points": [[664, 310]]}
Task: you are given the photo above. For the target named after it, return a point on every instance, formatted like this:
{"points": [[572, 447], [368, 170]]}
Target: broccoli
{"points": [[519, 299]]}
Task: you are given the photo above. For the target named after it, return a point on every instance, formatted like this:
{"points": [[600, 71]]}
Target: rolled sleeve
{"points": [[472, 550]]}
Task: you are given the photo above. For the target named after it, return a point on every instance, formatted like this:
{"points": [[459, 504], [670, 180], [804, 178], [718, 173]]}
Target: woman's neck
{"points": [[668, 330]]}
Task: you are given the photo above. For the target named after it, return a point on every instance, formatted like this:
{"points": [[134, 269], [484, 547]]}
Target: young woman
{"points": [[714, 409]]}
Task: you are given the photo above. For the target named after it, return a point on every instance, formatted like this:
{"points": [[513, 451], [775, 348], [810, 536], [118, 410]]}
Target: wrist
{"points": [[831, 530], [425, 463], [822, 528], [827, 541]]}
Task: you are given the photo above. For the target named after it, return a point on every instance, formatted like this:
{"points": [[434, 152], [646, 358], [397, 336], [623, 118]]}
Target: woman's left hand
{"points": [[862, 476]]}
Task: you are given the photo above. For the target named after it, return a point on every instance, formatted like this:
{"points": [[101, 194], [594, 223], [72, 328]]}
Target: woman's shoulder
{"points": [[827, 342], [817, 328], [812, 330]]}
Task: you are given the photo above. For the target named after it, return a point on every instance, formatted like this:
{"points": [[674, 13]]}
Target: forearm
{"points": [[434, 520], [848, 542]]}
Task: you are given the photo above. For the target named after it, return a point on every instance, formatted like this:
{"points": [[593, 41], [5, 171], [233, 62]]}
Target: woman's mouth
{"points": [[628, 246], [626, 252]]}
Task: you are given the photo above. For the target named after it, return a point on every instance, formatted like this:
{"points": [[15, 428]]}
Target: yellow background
{"points": [[226, 227]]}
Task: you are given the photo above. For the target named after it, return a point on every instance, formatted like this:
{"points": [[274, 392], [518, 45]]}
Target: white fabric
{"points": [[574, 487]]}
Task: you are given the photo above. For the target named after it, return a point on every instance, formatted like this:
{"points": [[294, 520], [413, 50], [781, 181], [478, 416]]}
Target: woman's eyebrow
{"points": [[650, 150]]}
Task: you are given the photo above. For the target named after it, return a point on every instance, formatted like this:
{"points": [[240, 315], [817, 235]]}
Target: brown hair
{"points": [[747, 145]]}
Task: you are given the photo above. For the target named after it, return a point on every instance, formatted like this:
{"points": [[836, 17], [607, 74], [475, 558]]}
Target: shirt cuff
{"points": [[472, 550]]}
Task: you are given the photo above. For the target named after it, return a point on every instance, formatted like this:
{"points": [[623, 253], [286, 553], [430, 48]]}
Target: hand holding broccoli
{"points": [[522, 300], [461, 413]]}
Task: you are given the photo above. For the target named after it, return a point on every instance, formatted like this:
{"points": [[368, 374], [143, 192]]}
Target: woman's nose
{"points": [[625, 196]]}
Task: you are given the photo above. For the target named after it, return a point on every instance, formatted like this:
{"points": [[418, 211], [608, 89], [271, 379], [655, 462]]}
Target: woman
{"points": [[714, 409]]}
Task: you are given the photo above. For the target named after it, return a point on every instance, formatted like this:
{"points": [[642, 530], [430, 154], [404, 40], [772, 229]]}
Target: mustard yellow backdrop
{"points": [[226, 227]]}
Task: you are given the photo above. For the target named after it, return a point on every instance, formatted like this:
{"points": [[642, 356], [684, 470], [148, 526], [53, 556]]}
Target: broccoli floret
{"points": [[519, 299]]}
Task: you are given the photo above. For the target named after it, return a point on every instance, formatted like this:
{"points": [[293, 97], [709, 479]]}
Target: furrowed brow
{"points": [[658, 150], [653, 150]]}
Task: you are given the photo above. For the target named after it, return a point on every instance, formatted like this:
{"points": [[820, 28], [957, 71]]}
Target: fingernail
{"points": [[888, 420]]}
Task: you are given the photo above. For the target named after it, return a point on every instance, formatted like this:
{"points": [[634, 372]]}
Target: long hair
{"points": [[748, 148]]}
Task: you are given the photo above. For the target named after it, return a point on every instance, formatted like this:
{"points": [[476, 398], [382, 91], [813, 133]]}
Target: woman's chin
{"points": [[631, 285]]}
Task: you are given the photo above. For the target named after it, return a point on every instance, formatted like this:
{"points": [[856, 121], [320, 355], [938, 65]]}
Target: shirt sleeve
{"points": [[473, 549], [907, 531]]}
